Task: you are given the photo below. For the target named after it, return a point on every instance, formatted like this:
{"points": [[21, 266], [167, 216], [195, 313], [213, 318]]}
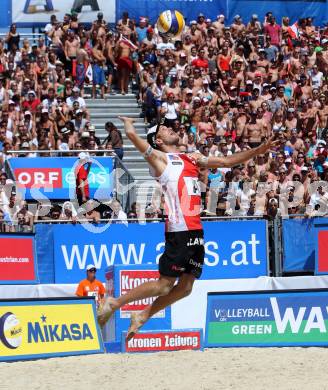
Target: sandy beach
{"points": [[236, 368]]}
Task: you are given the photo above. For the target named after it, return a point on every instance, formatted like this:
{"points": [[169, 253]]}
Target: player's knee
{"points": [[164, 289]]}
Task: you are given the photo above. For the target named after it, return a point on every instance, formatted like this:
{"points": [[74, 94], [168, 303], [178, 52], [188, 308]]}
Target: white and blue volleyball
{"points": [[170, 23]]}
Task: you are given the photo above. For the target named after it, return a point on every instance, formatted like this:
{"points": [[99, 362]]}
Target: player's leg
{"points": [[181, 290], [162, 286]]}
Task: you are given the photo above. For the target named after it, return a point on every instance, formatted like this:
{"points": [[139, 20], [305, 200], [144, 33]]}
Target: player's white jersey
{"points": [[180, 184]]}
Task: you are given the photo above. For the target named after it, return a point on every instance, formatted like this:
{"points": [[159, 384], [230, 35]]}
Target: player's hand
{"points": [[268, 145], [126, 119]]}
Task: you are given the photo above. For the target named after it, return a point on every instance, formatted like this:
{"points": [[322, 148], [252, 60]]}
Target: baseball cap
{"points": [[91, 267], [91, 128], [236, 17], [304, 168], [150, 30], [151, 136], [189, 92], [79, 112], [25, 145], [83, 155], [76, 89], [183, 54], [205, 81], [64, 130], [254, 16], [31, 92], [193, 22], [27, 113], [249, 82], [44, 111], [11, 102]]}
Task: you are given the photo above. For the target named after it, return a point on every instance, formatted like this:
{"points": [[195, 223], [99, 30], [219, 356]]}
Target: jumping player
{"points": [[183, 258]]}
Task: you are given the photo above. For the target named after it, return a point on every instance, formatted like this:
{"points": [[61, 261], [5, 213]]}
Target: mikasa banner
{"points": [[39, 328]]}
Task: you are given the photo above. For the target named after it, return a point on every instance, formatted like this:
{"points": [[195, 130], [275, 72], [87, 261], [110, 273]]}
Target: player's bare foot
{"points": [[105, 311], [136, 323]]}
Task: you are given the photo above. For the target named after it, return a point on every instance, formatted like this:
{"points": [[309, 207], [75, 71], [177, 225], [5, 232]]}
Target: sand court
{"points": [[226, 368]]}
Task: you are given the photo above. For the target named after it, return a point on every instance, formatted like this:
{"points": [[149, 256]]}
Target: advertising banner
{"points": [[152, 8], [18, 264], [120, 279], [55, 177], [37, 12], [233, 249], [164, 340], [321, 246], [42, 328], [263, 319], [295, 9]]}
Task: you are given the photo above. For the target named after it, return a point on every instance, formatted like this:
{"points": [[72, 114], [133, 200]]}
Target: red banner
{"points": [[164, 341], [130, 279], [323, 251], [17, 260]]}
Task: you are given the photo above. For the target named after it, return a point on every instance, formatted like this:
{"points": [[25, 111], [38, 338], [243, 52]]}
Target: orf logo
{"points": [[10, 331], [39, 177]]}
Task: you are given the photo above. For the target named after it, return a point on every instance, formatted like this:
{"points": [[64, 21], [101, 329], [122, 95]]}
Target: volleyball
{"points": [[10, 331], [170, 23]]}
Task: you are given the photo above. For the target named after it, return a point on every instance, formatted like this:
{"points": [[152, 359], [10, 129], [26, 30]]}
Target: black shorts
{"points": [[184, 254]]}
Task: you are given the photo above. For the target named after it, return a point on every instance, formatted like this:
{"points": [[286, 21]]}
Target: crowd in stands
{"points": [[222, 88]]}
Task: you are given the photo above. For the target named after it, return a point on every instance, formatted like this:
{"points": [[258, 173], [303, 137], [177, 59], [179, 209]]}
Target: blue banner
{"points": [[55, 177], [267, 319], [294, 9], [152, 8], [45, 253], [298, 257], [233, 249], [119, 281]]}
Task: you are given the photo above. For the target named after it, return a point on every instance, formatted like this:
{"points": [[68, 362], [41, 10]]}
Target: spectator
{"points": [[114, 140], [118, 215], [91, 287]]}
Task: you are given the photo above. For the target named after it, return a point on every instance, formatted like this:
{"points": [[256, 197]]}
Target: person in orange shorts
{"points": [[91, 287]]}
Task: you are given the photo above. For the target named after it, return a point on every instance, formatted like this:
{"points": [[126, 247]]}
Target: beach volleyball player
{"points": [[183, 257]]}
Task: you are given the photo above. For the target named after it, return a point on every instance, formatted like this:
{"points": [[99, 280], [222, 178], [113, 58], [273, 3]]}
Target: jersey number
{"points": [[193, 187]]}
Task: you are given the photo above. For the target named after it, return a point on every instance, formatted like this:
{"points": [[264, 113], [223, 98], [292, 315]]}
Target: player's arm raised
{"points": [[237, 158], [155, 158]]}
